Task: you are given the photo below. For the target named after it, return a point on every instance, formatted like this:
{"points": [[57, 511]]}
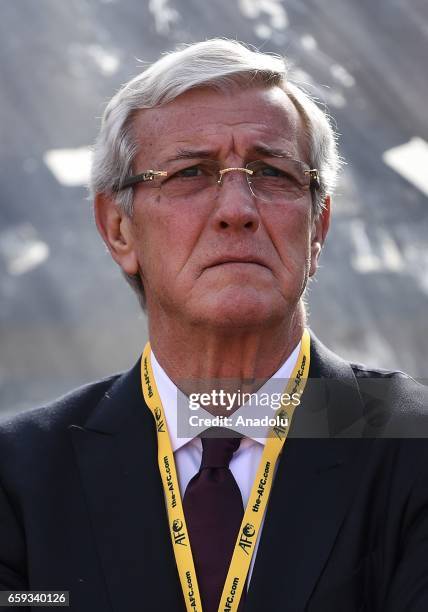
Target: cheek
{"points": [[292, 228], [164, 241]]}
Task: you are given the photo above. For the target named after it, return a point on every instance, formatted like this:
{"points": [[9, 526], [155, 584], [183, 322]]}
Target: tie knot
{"points": [[217, 452]]}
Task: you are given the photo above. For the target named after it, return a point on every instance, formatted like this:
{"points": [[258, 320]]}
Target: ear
{"points": [[319, 232], [116, 230]]}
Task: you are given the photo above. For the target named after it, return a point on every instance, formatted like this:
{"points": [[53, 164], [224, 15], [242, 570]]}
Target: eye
{"points": [[266, 170], [206, 170], [191, 172], [190, 180], [286, 171]]}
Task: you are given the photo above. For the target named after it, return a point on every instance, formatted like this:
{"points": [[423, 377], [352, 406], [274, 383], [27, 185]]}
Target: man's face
{"points": [[227, 260]]}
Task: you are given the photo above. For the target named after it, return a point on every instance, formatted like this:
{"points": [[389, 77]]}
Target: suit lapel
{"points": [[317, 476], [116, 452]]}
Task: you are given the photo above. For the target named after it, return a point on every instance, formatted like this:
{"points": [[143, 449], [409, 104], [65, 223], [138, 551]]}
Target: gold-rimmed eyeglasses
{"points": [[279, 180]]}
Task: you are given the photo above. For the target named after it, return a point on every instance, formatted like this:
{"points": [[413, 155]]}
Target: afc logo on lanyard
{"points": [[246, 539], [159, 421], [178, 533]]}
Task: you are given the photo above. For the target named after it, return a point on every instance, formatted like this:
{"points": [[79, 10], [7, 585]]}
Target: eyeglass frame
{"points": [[150, 175]]}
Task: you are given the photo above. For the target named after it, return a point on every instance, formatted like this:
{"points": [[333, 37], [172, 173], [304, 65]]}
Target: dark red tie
{"points": [[213, 509]]}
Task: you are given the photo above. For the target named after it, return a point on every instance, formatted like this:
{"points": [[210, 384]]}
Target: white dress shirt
{"points": [[188, 451]]}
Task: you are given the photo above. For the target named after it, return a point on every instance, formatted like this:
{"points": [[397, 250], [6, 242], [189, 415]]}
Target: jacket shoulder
{"points": [[393, 401], [73, 407], [388, 403]]}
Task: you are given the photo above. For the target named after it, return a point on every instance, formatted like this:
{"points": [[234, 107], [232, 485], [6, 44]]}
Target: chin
{"points": [[235, 309]]}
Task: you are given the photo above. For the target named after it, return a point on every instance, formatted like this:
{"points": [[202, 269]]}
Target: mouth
{"points": [[238, 260]]}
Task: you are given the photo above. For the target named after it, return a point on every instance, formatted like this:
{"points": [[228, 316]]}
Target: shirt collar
{"points": [[168, 395]]}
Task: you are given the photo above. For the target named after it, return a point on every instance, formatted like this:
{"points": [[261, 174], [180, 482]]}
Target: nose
{"points": [[236, 207]]}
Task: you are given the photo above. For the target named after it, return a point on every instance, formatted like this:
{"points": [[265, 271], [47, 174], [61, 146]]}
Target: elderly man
{"points": [[212, 179]]}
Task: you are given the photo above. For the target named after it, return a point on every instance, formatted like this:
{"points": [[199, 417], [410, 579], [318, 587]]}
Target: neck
{"points": [[232, 359]]}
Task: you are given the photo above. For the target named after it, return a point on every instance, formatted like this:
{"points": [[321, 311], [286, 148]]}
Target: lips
{"points": [[239, 260]]}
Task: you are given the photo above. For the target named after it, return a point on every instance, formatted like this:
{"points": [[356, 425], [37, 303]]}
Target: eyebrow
{"points": [[270, 151], [191, 154]]}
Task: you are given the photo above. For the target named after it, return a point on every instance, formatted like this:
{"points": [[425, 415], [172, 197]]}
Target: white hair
{"points": [[219, 64]]}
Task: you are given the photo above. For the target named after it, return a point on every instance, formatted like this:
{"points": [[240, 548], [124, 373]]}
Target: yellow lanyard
{"points": [[259, 496]]}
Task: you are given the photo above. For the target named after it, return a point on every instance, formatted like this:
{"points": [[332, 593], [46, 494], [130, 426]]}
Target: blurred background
{"points": [[66, 315]]}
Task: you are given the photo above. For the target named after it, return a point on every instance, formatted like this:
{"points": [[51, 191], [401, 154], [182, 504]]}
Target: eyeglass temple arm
{"points": [[143, 177], [314, 175]]}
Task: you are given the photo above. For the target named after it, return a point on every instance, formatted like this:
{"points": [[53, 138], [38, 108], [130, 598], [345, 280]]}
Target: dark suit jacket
{"points": [[82, 507]]}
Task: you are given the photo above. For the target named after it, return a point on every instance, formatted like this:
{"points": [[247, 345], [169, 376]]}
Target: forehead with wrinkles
{"points": [[225, 123]]}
